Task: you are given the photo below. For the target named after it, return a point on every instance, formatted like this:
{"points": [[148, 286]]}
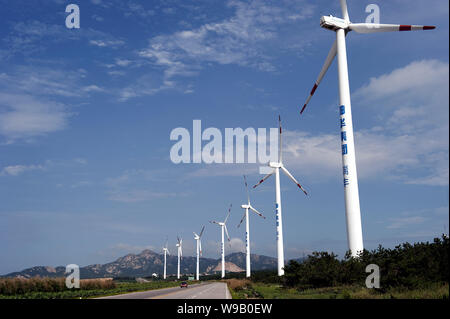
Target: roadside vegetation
{"points": [[408, 271], [418, 271], [273, 291], [55, 288]]}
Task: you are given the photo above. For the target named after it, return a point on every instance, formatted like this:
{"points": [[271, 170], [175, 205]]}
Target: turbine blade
{"points": [[322, 73], [246, 188], [228, 215], [203, 228], [293, 179], [263, 179], [375, 27], [226, 231], [280, 144], [241, 221], [195, 234], [200, 246], [344, 10], [256, 212]]}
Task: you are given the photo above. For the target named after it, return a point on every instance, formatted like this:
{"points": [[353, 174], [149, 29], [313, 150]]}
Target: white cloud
{"points": [[123, 62], [236, 245], [236, 40], [116, 73], [148, 84], [412, 103], [24, 116], [132, 248], [426, 221], [92, 88], [97, 18], [137, 9], [136, 186], [137, 195], [15, 170], [31, 37], [106, 43], [81, 161], [411, 159], [81, 184], [213, 247], [32, 100], [409, 139], [42, 81], [405, 222]]}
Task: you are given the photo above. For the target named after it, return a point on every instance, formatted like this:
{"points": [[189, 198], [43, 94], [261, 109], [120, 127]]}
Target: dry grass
{"points": [[15, 286], [101, 283], [238, 284]]}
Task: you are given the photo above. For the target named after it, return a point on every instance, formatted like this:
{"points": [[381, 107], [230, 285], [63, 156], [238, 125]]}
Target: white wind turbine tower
{"points": [[166, 251], [199, 250], [248, 207], [342, 27], [279, 225], [180, 254], [223, 226]]}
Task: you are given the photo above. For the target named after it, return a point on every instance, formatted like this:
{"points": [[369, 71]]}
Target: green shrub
{"points": [[408, 266]]}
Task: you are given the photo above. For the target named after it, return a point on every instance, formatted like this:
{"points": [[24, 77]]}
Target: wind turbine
{"points": [[199, 250], [276, 169], [223, 226], [351, 193], [248, 207], [180, 254], [166, 251]]}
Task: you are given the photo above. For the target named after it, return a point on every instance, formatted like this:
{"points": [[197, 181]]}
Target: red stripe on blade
{"points": [[314, 89], [429, 27], [299, 186], [405, 28], [303, 108]]}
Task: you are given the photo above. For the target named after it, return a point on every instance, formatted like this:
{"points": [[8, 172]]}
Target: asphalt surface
{"points": [[216, 290]]}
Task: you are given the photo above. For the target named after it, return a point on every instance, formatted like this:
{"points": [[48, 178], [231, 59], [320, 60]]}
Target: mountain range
{"points": [[148, 262]]}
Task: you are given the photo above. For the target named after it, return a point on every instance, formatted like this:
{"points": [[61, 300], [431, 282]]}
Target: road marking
{"points": [[227, 292], [202, 292], [172, 293], [139, 292]]}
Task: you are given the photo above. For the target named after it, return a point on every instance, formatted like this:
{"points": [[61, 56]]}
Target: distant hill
{"points": [[148, 262]]}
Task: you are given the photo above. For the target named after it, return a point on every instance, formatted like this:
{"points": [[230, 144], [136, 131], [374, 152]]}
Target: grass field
{"points": [[245, 289], [53, 289]]}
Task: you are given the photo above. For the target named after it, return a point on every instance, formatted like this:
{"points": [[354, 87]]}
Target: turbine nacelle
{"points": [[245, 206], [275, 165], [333, 23]]}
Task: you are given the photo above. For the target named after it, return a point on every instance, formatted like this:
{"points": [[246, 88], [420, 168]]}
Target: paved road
{"points": [[216, 290]]}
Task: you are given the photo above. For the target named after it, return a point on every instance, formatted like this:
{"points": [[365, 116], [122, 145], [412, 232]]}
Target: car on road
{"points": [[183, 284]]}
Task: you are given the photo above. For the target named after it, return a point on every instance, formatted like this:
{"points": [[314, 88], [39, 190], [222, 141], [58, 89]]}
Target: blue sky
{"points": [[86, 116]]}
